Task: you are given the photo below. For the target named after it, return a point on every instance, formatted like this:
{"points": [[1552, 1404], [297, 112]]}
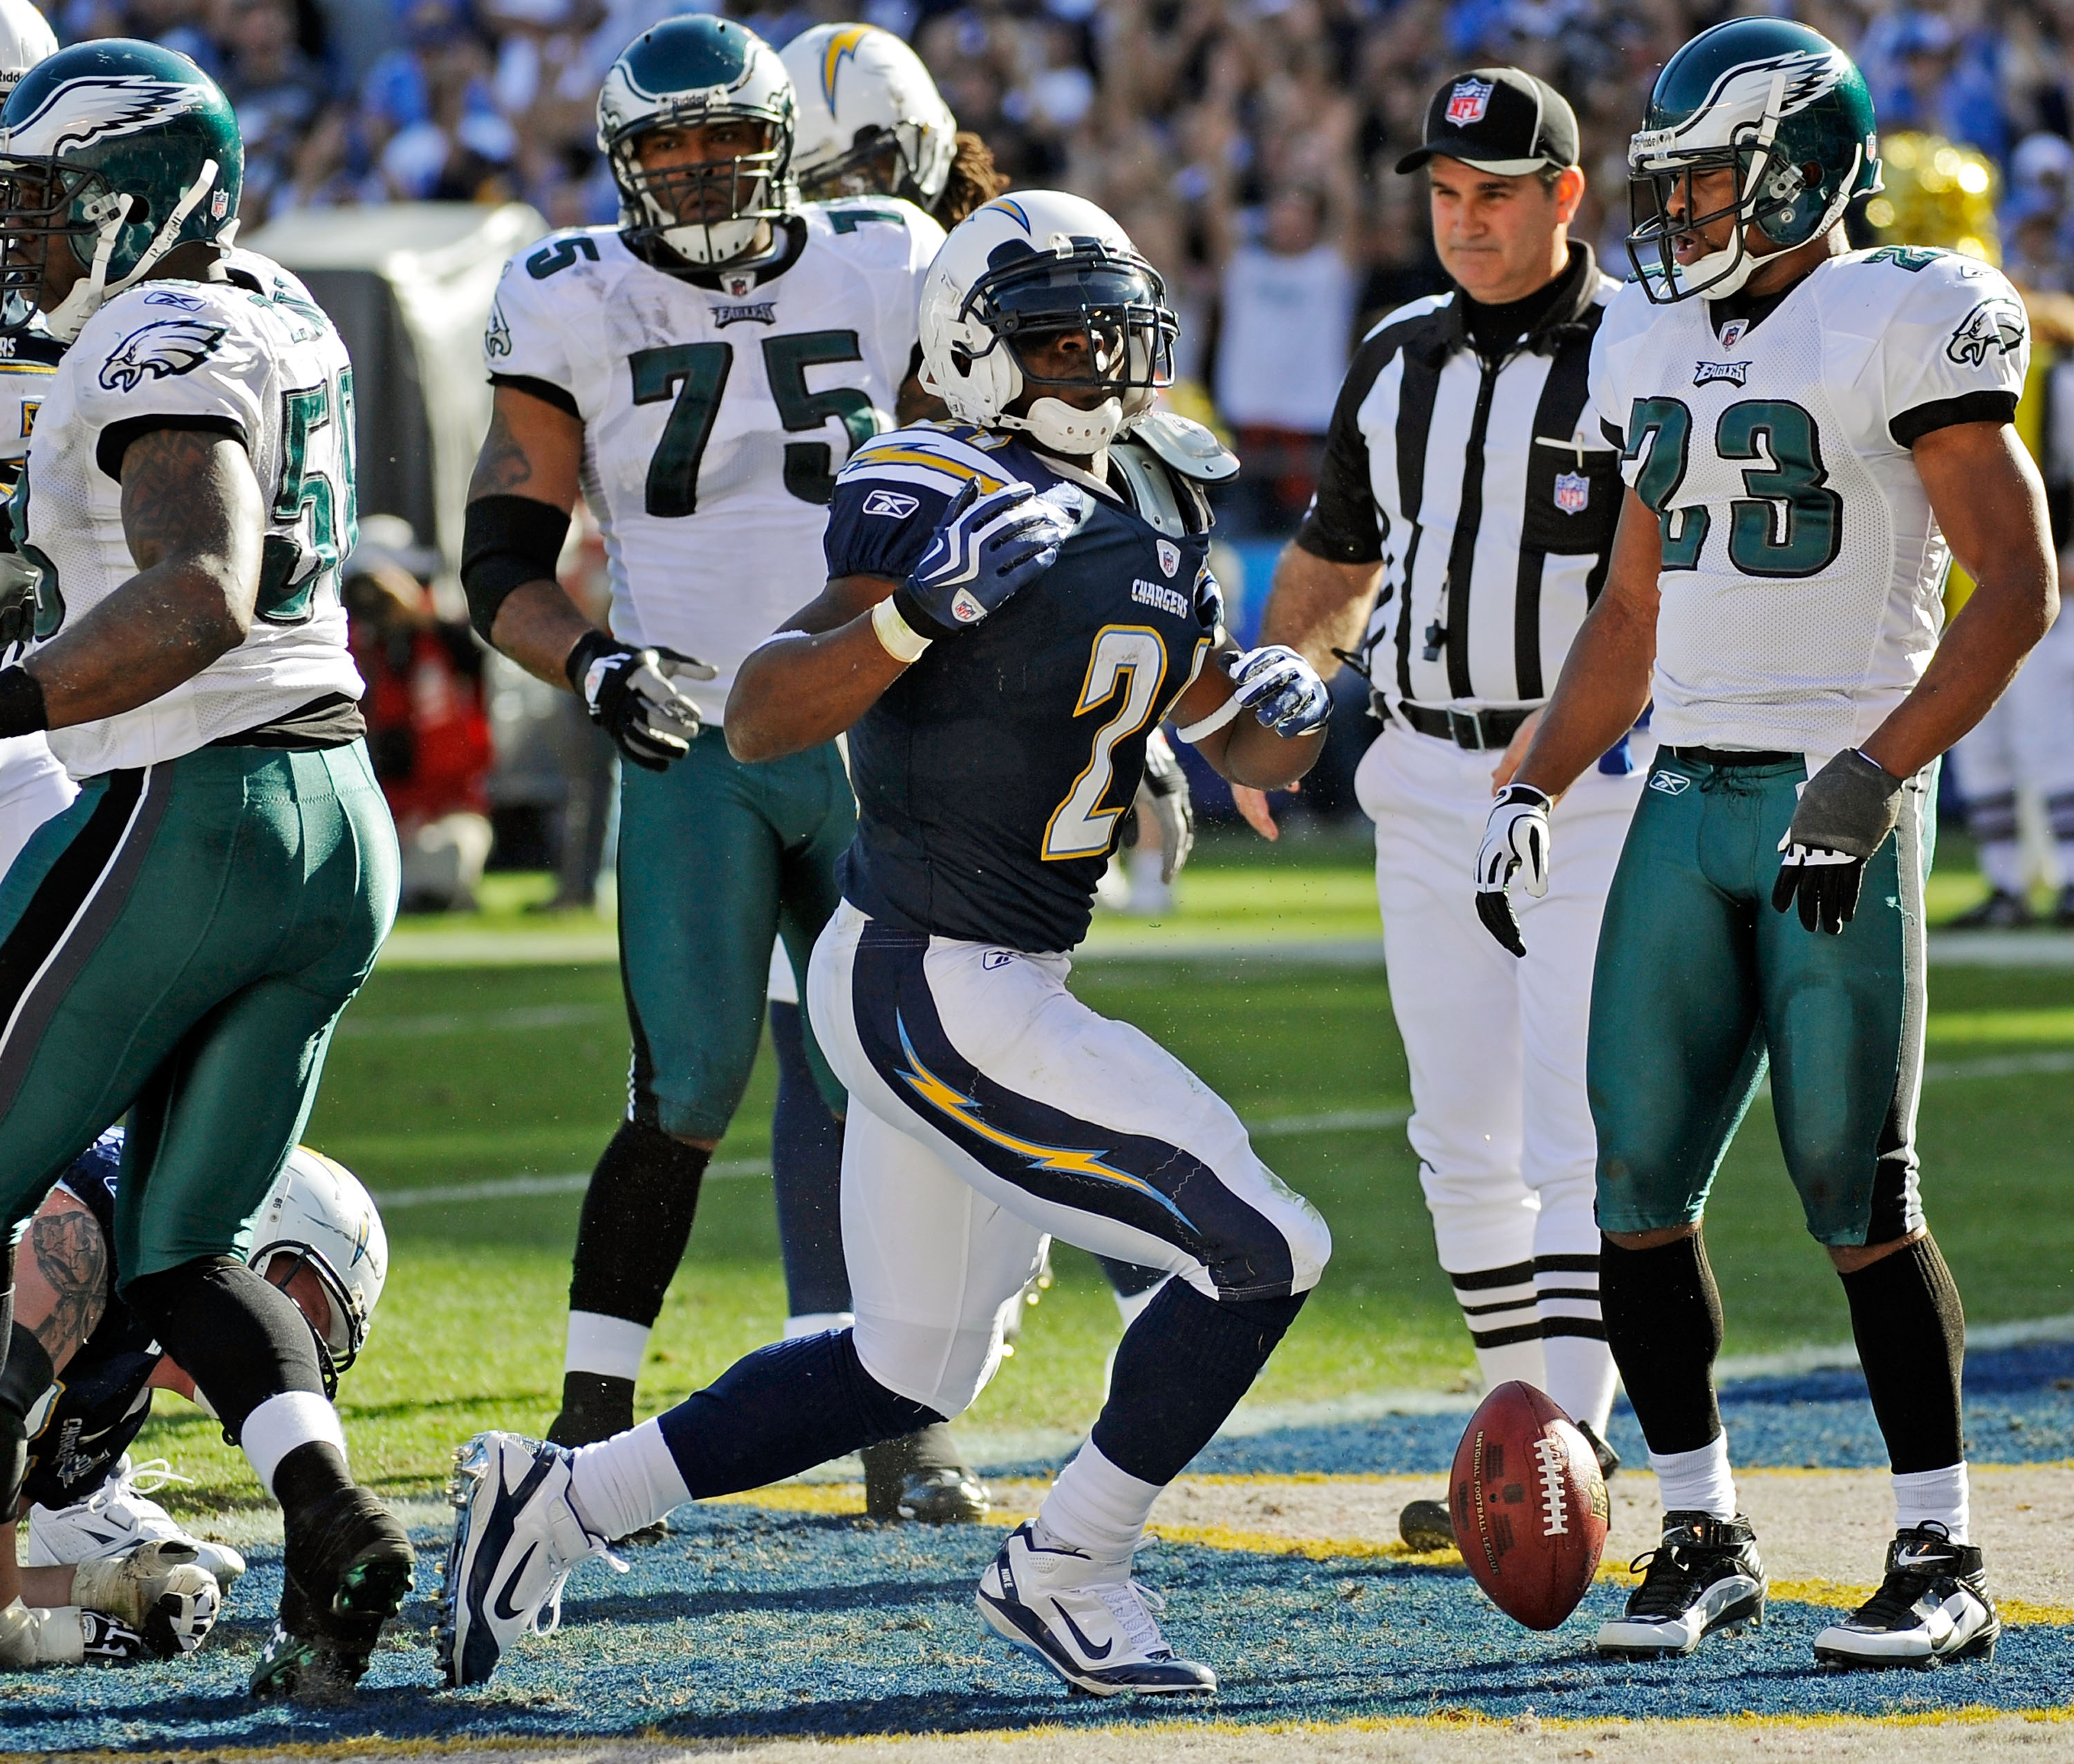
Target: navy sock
{"points": [[1127, 1279], [1911, 1334], [1663, 1324], [636, 1220], [782, 1410], [806, 1169], [1181, 1370]]}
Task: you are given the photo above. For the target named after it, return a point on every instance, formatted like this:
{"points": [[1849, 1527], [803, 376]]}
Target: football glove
{"points": [[1515, 843], [1163, 802], [984, 550], [632, 694], [18, 599], [1281, 688], [1846, 810]]}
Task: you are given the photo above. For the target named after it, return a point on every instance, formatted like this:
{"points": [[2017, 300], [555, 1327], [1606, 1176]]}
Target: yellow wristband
{"points": [[895, 635]]}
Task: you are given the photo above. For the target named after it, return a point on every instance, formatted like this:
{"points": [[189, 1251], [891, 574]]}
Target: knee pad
{"points": [[941, 1368]]}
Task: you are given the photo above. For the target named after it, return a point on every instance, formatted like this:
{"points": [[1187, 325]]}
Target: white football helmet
{"points": [[1040, 265], [871, 121], [317, 1216], [26, 37], [684, 73]]}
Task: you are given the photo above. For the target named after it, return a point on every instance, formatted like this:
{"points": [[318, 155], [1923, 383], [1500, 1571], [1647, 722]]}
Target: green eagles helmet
{"points": [[1783, 108], [685, 72], [122, 149]]}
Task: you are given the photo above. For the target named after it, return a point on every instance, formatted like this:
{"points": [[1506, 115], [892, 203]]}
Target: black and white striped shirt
{"points": [[1483, 487]]}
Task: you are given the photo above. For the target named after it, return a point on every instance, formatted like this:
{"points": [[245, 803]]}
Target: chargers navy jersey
{"points": [[100, 1402], [993, 777]]}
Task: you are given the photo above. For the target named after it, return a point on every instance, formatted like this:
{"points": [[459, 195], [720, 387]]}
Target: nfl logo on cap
{"points": [[1573, 491], [1467, 103]]}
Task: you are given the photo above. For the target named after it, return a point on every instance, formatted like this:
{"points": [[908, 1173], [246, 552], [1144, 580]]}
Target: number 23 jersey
{"points": [[1803, 571], [717, 409]]}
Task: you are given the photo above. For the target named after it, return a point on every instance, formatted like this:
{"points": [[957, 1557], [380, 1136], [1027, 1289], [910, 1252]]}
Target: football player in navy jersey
{"points": [[1016, 599]]}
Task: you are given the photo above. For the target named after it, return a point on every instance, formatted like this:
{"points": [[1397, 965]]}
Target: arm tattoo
{"points": [[174, 497], [72, 1258], [502, 467]]}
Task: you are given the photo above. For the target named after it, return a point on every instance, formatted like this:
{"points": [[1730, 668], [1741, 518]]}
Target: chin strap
{"points": [[95, 290]]}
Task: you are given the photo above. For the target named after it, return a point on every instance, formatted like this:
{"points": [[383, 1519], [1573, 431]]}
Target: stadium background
{"points": [[396, 155]]}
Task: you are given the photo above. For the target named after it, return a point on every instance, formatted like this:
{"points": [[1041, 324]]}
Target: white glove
{"points": [[1515, 842], [1281, 688], [1165, 801]]}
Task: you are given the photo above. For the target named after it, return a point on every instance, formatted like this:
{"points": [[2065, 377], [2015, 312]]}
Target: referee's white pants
{"points": [[991, 1109], [2025, 742], [1500, 1121], [33, 787]]}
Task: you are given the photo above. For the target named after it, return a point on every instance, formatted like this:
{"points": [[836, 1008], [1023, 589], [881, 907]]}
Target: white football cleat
{"points": [[1933, 1606], [157, 1589], [1088, 1621], [114, 1520], [517, 1538]]}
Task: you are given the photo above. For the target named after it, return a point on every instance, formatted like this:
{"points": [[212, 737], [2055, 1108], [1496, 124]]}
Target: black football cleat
{"points": [[923, 1478], [1933, 1606], [1704, 1576], [1426, 1526], [2000, 912], [348, 1567], [1609, 1460]]}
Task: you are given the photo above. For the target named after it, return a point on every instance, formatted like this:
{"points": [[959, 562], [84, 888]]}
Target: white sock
{"points": [[1523, 1361], [1095, 1507], [611, 1347], [817, 1323], [2002, 862], [280, 1424], [1921, 1496], [1581, 1377], [1697, 1481], [630, 1480]]}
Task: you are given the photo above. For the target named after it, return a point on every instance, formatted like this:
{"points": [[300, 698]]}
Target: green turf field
{"points": [[459, 1075]]}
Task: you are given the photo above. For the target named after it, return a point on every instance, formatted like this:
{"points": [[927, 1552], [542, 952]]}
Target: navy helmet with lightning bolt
{"points": [[1777, 104], [116, 151]]}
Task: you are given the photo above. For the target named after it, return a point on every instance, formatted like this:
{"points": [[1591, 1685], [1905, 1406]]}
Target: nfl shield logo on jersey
{"points": [[1573, 491], [1467, 103], [1170, 557]]}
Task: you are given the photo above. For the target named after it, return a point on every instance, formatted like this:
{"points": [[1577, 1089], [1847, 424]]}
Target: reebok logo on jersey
{"points": [[1170, 601], [762, 311], [1670, 784], [187, 303], [1998, 323], [891, 504], [1706, 373], [170, 347]]}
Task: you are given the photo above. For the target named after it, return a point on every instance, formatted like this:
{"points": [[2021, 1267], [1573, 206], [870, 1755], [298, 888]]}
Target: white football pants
{"points": [[2025, 742], [991, 1109], [33, 787], [1496, 1045]]}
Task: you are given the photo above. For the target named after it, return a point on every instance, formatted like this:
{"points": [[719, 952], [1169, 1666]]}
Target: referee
{"points": [[1465, 514]]}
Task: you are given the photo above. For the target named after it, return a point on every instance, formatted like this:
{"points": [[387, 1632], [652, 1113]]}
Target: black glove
{"points": [[1847, 809], [632, 694]]}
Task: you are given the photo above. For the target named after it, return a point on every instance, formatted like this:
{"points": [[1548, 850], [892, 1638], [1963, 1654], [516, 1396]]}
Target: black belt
{"points": [[1477, 730], [1728, 756]]}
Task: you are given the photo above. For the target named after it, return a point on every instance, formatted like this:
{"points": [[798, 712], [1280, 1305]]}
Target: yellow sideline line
{"points": [[1447, 1720]]}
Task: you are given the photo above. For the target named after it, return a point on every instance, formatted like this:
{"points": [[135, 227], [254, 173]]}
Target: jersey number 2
{"points": [[1133, 657], [697, 374]]}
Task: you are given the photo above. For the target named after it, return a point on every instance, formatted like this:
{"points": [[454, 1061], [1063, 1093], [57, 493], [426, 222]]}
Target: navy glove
{"points": [[1281, 688], [633, 696], [1847, 809], [985, 549]]}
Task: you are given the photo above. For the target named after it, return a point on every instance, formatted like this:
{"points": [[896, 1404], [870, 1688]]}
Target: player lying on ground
{"points": [[1811, 434], [179, 942], [111, 1575], [1015, 600]]}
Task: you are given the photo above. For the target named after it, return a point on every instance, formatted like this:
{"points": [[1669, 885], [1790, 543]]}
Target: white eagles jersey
{"points": [[252, 358], [717, 407], [1803, 571]]}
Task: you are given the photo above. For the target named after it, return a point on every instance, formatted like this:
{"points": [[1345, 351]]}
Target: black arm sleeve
{"points": [[507, 542], [119, 438], [545, 390], [1991, 406], [1341, 524]]}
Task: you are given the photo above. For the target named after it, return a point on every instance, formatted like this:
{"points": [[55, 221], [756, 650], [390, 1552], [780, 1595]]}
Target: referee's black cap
{"points": [[1499, 119]]}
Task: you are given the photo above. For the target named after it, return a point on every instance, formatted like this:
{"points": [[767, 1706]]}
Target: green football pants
{"points": [[1698, 981], [715, 859], [176, 947]]}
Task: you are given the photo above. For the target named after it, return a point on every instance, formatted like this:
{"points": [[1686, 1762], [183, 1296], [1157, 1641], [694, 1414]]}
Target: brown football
{"points": [[1528, 1506]]}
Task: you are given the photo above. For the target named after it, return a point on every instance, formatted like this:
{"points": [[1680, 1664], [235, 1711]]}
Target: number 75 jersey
{"points": [[1803, 571], [252, 358], [717, 407]]}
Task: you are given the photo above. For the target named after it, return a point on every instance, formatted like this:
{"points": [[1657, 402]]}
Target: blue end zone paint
{"points": [[757, 1622]]}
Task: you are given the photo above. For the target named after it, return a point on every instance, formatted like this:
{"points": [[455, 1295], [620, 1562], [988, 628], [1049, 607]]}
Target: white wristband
{"points": [[1211, 724], [895, 635]]}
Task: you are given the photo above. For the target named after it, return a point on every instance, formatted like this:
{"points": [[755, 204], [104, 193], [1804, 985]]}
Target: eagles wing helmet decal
{"points": [[1741, 94], [89, 109], [171, 347]]}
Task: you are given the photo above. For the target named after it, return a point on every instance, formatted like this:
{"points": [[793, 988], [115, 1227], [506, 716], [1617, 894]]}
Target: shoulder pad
{"points": [[1167, 499], [1190, 448]]}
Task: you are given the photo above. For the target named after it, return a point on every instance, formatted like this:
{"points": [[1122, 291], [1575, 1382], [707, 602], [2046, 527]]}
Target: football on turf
{"points": [[1528, 1506]]}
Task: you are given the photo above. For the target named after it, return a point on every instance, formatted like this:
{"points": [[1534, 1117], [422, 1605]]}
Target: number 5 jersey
{"points": [[717, 407], [1802, 571]]}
